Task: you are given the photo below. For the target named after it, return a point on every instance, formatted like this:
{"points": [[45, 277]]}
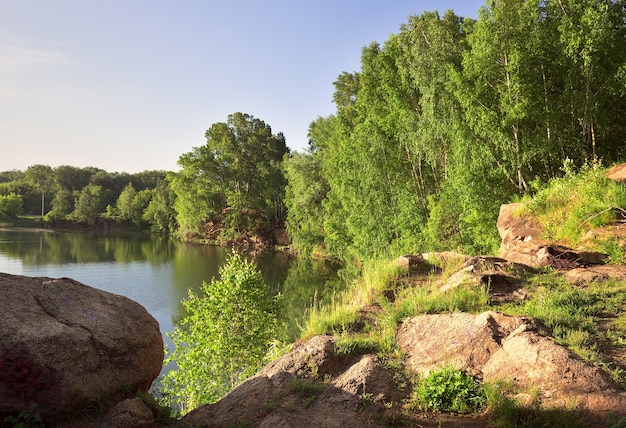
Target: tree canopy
{"points": [[451, 117], [236, 175]]}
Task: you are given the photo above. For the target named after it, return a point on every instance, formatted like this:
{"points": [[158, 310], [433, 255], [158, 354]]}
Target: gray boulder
{"points": [[497, 347], [64, 344]]}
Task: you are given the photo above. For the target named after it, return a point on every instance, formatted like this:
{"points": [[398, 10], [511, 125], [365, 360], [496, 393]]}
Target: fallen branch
{"points": [[618, 209]]}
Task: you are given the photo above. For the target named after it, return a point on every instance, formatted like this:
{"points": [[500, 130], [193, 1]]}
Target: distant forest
{"points": [[446, 120], [84, 195]]}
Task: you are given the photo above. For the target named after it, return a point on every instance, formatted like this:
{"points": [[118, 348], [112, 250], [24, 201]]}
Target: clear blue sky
{"points": [[130, 85]]}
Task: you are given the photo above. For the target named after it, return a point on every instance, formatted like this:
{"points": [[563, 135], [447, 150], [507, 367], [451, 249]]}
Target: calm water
{"points": [[154, 271]]}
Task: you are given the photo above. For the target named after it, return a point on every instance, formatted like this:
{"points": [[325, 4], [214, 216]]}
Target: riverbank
{"points": [[540, 330]]}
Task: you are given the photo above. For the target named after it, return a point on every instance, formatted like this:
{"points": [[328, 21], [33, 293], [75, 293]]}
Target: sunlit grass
{"points": [[506, 411], [578, 318], [336, 316], [583, 319], [571, 205], [29, 221]]}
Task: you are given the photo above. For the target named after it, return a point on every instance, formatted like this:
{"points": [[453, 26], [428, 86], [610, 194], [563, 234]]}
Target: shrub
{"points": [[10, 205], [224, 337], [451, 390]]}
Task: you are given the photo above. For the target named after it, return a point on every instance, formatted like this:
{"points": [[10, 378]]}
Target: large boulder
{"points": [[496, 347], [503, 278], [312, 386], [522, 243], [64, 344], [585, 276], [617, 173]]}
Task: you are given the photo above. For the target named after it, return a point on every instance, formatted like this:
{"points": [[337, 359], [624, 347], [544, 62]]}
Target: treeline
{"points": [[230, 187], [446, 120], [84, 195], [451, 117]]}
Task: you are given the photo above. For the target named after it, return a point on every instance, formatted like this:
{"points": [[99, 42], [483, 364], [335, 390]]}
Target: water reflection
{"points": [[155, 271]]}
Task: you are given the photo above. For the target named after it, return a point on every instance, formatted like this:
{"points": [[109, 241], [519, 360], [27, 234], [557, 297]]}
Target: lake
{"points": [[154, 271]]}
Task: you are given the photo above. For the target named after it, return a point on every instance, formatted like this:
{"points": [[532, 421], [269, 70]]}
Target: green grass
{"points": [[428, 300], [450, 390], [585, 319], [569, 206], [22, 222], [337, 316], [349, 345], [508, 412], [579, 318]]}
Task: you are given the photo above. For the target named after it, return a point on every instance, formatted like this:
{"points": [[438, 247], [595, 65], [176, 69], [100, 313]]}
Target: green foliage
{"points": [[507, 412], [223, 338], [580, 200], [450, 117], [124, 204], [236, 175], [88, 205], [450, 390], [62, 205], [160, 213], [27, 418], [42, 178], [65, 185], [304, 195], [10, 205]]}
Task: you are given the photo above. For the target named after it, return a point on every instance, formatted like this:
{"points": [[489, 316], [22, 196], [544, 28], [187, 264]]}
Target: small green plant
{"points": [[273, 404], [307, 388], [356, 345], [27, 418], [367, 398], [450, 390], [615, 421]]}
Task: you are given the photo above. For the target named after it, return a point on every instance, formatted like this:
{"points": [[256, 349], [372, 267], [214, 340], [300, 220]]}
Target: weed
{"points": [[615, 421], [367, 399], [506, 412], [27, 418], [306, 387], [356, 345], [450, 390], [313, 367], [270, 407]]}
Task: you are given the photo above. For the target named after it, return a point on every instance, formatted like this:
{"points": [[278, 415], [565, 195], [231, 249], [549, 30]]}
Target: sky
{"points": [[131, 85]]}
